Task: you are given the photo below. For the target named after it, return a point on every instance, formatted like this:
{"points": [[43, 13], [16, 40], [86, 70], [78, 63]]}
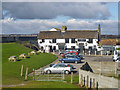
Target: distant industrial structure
{"points": [[5, 38]]}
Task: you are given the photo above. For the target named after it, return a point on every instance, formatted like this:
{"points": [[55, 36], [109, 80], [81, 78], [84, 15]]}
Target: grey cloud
{"points": [[35, 26], [50, 10]]}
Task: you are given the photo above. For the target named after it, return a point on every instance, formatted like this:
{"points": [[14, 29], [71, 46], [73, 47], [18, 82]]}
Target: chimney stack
{"points": [[64, 28], [99, 33]]}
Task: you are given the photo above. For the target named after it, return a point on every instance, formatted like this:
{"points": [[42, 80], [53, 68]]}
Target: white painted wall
{"points": [[47, 43]]}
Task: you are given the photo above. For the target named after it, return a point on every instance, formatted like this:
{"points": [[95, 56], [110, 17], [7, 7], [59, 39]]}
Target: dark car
{"points": [[68, 54], [71, 58]]}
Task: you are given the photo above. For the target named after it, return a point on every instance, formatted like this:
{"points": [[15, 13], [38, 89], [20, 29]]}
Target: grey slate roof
{"points": [[68, 34]]}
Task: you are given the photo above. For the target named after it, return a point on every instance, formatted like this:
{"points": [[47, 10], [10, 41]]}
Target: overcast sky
{"points": [[31, 17]]}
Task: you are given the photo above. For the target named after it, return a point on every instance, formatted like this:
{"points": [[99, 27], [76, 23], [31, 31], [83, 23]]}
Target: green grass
{"points": [[75, 79], [47, 84], [11, 70], [117, 78]]}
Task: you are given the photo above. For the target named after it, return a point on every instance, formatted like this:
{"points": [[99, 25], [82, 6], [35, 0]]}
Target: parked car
{"points": [[69, 65], [69, 54], [73, 52], [118, 59], [71, 58], [62, 52], [58, 68]]}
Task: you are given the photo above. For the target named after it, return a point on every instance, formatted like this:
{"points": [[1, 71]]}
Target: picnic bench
{"points": [[33, 52], [22, 56], [12, 58], [39, 51]]}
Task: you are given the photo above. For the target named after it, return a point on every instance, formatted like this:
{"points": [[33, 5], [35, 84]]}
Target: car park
{"points": [[58, 68], [71, 58]]}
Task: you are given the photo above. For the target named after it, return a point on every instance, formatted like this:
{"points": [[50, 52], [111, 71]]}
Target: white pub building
{"points": [[64, 39]]}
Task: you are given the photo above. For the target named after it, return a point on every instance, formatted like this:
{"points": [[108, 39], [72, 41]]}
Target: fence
{"points": [[39, 75], [92, 80], [103, 52]]}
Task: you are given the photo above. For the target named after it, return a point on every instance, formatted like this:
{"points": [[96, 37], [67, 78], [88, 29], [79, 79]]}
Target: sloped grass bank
{"points": [[11, 70]]}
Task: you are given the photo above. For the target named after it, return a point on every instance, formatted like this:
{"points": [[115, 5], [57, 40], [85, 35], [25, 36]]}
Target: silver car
{"points": [[58, 68]]}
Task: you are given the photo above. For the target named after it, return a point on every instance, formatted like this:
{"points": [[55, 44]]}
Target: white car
{"points": [[58, 68], [115, 57]]}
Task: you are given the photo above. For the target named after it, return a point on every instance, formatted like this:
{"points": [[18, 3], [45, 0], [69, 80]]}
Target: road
{"points": [[86, 59], [93, 59]]}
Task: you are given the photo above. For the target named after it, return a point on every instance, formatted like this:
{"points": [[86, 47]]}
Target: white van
{"points": [[116, 57]]}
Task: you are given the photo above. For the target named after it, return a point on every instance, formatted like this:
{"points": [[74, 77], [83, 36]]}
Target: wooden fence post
{"points": [[87, 81], [26, 73], [33, 74], [79, 76], [71, 77], [21, 70]]}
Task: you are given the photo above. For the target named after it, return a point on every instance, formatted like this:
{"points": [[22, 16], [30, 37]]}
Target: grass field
{"points": [[11, 70], [47, 84]]}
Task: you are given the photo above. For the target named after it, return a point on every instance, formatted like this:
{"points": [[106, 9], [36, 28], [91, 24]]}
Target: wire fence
{"points": [[42, 76]]}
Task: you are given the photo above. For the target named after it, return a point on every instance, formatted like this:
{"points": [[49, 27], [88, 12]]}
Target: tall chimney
{"points": [[64, 28], [99, 33]]}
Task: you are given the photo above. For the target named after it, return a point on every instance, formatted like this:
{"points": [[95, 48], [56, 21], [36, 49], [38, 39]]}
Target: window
{"points": [[66, 40], [62, 65], [90, 41], [41, 47], [53, 40], [40, 42], [90, 48], [56, 66], [73, 47], [43, 40], [54, 47], [94, 46], [73, 40]]}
